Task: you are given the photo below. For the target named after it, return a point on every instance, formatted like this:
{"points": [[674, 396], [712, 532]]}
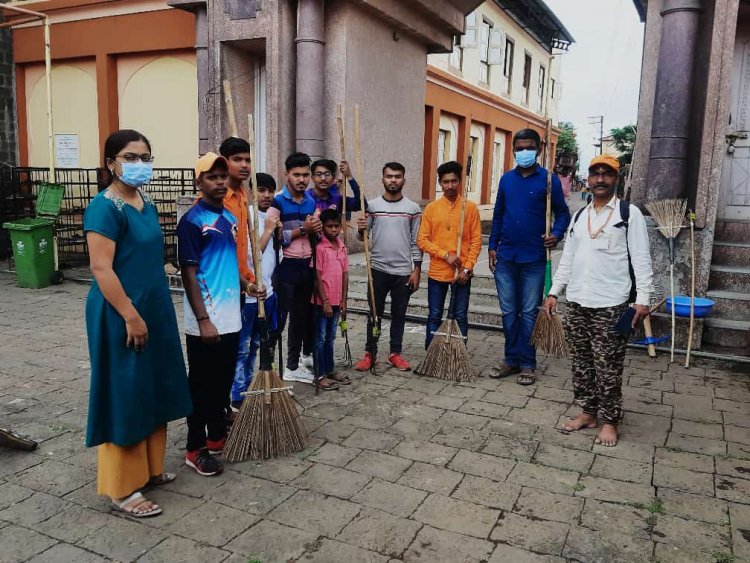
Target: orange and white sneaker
{"points": [[365, 364], [398, 362]]}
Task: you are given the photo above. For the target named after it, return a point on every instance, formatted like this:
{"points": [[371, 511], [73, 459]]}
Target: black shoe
{"points": [[203, 462], [13, 440]]}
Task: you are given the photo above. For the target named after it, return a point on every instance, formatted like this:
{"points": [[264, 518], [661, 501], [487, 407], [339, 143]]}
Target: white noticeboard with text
{"points": [[67, 153]]}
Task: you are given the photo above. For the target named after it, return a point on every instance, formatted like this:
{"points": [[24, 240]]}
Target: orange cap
{"points": [[207, 162], [606, 160]]}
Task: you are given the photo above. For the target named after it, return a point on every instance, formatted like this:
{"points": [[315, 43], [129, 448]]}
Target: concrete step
{"points": [[728, 334], [730, 278], [479, 295], [731, 253], [732, 231], [730, 305], [480, 316]]}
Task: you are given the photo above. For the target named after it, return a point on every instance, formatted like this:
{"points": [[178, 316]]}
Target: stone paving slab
{"points": [[398, 467]]}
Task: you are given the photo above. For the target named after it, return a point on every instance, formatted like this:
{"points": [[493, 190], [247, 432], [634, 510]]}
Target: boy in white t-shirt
{"points": [[249, 339]]}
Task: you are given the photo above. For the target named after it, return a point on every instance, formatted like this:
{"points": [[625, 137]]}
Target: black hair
{"points": [[297, 160], [118, 141], [397, 166], [450, 167], [528, 134], [264, 180], [233, 145], [325, 163], [330, 215]]}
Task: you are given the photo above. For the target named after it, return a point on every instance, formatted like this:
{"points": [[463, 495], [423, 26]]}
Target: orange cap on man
{"points": [[606, 160], [207, 162]]}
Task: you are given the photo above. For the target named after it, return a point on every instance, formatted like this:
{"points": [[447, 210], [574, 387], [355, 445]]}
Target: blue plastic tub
{"points": [[703, 306]]}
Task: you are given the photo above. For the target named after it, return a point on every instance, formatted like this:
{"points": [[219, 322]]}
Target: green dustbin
{"points": [[33, 251]]}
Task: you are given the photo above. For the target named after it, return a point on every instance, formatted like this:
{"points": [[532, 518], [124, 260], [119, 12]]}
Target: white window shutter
{"points": [[469, 38], [495, 53]]}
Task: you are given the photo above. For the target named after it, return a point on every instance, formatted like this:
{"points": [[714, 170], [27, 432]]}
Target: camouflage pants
{"points": [[598, 357]]}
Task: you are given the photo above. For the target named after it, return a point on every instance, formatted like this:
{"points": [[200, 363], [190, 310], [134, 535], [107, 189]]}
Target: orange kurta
{"points": [[236, 203], [438, 235]]}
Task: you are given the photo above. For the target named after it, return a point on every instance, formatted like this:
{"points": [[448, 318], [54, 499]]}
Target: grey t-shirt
{"points": [[393, 227]]}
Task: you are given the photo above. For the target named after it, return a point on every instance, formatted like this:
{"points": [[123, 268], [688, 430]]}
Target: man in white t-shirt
{"points": [[249, 340]]}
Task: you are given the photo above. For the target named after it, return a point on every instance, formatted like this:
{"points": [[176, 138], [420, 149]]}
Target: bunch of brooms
{"points": [[268, 424]]}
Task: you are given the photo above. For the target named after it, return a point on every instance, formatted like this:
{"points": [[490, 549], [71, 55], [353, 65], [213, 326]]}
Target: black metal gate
{"points": [[19, 187]]}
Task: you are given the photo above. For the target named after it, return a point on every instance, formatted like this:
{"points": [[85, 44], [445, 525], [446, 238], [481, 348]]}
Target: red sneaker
{"points": [[216, 446], [398, 362], [365, 364]]}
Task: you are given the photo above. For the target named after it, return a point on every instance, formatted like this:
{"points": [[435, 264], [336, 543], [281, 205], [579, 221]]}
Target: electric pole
{"points": [[598, 120]]}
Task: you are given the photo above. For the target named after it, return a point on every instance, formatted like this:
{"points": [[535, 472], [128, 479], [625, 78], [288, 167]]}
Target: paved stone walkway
{"points": [[398, 468]]}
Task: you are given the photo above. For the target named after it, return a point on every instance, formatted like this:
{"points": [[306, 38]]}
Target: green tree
{"points": [[623, 139], [567, 143]]}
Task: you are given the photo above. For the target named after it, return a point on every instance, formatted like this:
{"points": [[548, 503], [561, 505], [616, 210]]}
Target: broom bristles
{"points": [[669, 215], [549, 336], [447, 357], [268, 424]]}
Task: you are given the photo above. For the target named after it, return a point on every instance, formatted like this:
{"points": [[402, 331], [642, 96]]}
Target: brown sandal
{"points": [[341, 379], [328, 384], [162, 479]]}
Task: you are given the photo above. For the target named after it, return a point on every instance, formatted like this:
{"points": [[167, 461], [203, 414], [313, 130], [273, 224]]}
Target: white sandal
{"points": [[136, 500]]}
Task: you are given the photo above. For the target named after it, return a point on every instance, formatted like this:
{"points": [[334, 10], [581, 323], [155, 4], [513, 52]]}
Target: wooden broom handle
{"points": [[257, 258], [342, 147], [229, 105]]}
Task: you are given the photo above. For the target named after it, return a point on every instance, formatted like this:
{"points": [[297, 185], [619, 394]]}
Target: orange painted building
{"points": [[127, 64], [494, 83]]}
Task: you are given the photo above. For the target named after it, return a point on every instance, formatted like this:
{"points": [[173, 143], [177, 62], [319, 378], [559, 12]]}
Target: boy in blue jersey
{"points": [[207, 253]]}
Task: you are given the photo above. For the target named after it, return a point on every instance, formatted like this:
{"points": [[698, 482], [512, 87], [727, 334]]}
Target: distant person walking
{"points": [[138, 379]]}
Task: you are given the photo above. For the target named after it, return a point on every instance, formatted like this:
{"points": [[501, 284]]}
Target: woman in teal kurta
{"points": [[138, 378]]}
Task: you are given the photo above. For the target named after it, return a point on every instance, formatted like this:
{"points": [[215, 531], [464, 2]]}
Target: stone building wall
{"points": [[8, 138]]}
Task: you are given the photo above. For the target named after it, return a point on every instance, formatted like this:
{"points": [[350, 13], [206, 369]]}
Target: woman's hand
{"points": [[137, 333]]}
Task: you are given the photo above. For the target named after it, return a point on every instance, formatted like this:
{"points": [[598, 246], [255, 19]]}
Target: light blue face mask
{"points": [[136, 174], [525, 158]]}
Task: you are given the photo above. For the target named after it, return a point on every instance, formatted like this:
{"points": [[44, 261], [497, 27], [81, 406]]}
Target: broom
{"points": [[447, 356], [691, 217], [365, 239], [668, 215], [548, 334], [268, 424]]}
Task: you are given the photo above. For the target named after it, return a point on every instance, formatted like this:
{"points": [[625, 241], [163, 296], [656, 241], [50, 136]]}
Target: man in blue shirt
{"points": [[517, 251]]}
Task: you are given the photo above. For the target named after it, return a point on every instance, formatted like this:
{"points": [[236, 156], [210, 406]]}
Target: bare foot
{"points": [[607, 436], [583, 420]]}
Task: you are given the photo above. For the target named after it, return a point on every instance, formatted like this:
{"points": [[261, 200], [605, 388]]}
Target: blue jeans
{"points": [[436, 293], [324, 337], [519, 289], [250, 342]]}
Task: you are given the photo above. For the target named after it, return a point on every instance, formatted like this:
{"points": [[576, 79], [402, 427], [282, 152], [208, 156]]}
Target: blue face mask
{"points": [[136, 174], [525, 158]]}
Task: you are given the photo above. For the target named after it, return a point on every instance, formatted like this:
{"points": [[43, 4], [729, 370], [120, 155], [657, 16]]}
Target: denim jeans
{"points": [[519, 290], [325, 335], [436, 293], [250, 342]]}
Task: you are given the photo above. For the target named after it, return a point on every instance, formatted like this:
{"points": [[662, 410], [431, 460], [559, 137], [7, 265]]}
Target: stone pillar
{"points": [[670, 132], [201, 62], [310, 77], [8, 142]]}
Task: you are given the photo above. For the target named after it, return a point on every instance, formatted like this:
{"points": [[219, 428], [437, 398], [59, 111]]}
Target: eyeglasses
{"points": [[323, 175], [130, 157]]}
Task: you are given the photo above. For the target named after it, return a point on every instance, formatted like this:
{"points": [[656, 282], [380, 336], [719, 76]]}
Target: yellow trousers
{"points": [[123, 470]]}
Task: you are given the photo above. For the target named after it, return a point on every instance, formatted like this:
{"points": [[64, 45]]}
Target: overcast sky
{"points": [[601, 72]]}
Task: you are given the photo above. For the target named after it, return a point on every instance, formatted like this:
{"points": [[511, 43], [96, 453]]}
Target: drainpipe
{"points": [[201, 59], [310, 72], [670, 133]]}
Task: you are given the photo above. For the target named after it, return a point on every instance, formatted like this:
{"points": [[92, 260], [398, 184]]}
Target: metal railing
{"points": [[19, 187]]}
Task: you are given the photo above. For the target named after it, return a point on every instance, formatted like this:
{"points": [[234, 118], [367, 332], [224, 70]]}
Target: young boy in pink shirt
{"points": [[332, 281]]}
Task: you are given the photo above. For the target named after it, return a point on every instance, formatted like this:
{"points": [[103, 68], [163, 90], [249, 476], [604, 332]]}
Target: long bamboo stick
{"points": [[229, 104], [368, 266], [342, 147], [691, 216], [257, 259]]}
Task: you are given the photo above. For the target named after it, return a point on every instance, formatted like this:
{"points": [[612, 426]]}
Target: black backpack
{"points": [[625, 215]]}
